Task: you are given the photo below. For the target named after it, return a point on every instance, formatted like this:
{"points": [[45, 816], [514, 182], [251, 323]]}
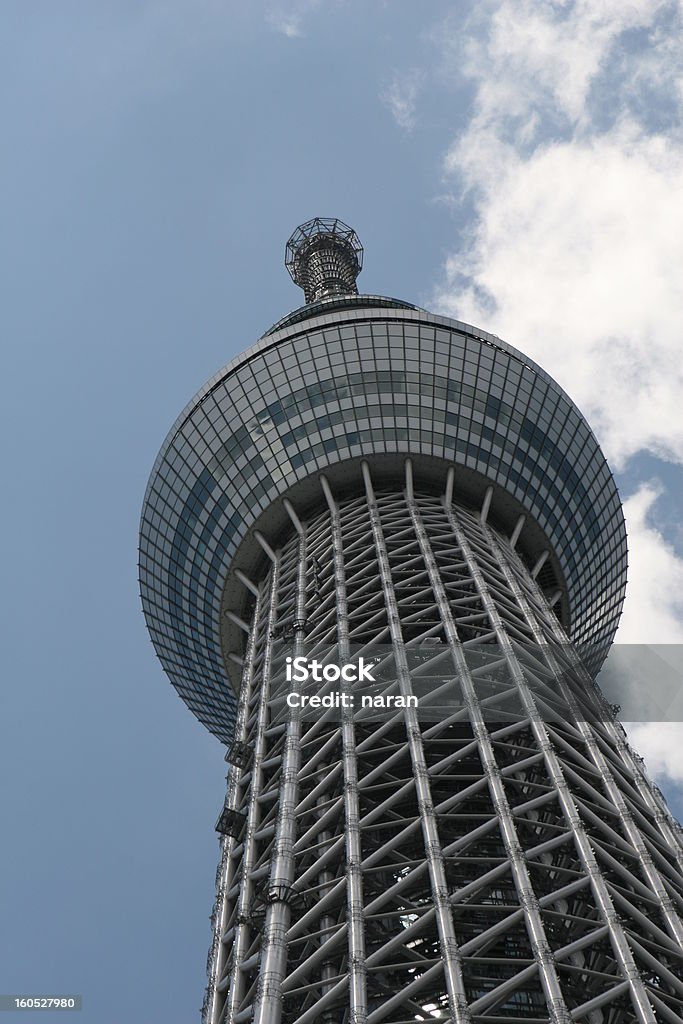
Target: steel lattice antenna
{"points": [[324, 257]]}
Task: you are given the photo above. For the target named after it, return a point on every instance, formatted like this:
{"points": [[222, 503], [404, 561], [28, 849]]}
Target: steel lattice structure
{"points": [[478, 867], [324, 257]]}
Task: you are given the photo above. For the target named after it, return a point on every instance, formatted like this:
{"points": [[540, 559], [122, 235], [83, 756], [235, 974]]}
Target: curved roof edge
{"points": [[357, 307]]}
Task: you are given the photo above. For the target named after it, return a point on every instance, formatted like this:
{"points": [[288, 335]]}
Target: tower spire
{"points": [[324, 257]]}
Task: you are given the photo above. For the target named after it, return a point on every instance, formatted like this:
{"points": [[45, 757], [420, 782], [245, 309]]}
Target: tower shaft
{"points": [[473, 866]]}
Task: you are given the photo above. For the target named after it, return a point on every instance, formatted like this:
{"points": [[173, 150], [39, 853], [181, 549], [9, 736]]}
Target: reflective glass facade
{"points": [[349, 380]]}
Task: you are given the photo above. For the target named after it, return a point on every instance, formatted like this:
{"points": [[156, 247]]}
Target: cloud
{"points": [[288, 18], [400, 96], [575, 258], [577, 240], [539, 61], [654, 611], [572, 162], [661, 745]]}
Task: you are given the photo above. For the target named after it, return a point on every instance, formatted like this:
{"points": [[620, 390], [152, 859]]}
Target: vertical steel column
{"points": [[669, 829], [246, 894], [358, 1000], [559, 1014], [650, 872], [452, 964], [273, 967], [228, 844], [319, 797], [620, 946]]}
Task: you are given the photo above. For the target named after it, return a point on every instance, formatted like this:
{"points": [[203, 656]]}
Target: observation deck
{"points": [[348, 378]]}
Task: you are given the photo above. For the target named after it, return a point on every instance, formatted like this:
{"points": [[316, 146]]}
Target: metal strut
{"points": [[391, 867]]}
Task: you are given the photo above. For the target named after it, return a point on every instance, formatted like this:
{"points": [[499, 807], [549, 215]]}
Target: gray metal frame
{"points": [[324, 257], [528, 871]]}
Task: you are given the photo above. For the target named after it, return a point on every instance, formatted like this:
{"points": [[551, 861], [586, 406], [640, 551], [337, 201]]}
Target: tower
{"points": [[371, 479]]}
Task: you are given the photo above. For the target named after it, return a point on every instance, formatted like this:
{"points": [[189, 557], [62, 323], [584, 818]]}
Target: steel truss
{"points": [[463, 870], [324, 257]]}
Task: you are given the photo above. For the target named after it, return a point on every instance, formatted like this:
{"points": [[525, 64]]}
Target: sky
{"points": [[516, 164]]}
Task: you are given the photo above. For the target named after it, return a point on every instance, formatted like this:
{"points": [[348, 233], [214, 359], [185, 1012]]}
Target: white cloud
{"points": [[288, 18], [400, 96], [531, 58], [575, 258], [661, 745], [575, 250], [573, 160], [654, 611]]}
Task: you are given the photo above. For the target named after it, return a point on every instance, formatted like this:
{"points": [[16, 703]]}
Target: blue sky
{"points": [[516, 165]]}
